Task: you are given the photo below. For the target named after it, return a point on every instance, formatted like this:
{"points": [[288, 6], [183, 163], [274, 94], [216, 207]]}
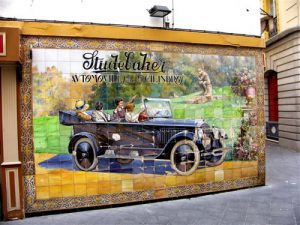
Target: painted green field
{"points": [[223, 111], [50, 136]]}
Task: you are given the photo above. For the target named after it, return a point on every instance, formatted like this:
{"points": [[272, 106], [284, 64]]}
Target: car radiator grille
{"points": [[165, 134]]}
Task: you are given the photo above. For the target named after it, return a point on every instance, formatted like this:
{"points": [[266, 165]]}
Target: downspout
{"points": [[173, 13]]}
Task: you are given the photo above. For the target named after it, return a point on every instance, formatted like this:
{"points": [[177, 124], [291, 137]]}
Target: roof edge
{"points": [[108, 31], [282, 35]]}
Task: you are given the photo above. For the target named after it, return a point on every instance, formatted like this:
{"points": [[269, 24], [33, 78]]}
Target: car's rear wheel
{"points": [[84, 154], [185, 157]]}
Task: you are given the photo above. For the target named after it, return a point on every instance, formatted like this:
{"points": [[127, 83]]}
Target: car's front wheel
{"points": [[217, 154], [84, 154], [185, 157]]}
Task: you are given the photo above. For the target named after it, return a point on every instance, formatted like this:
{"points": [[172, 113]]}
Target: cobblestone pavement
{"points": [[277, 203]]}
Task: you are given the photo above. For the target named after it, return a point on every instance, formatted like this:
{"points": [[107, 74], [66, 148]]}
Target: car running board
{"points": [[111, 154]]}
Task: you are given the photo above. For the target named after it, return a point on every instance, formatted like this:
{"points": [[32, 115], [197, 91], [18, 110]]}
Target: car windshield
{"points": [[158, 108]]}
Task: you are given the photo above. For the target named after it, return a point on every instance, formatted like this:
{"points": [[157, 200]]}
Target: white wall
{"points": [[231, 16]]}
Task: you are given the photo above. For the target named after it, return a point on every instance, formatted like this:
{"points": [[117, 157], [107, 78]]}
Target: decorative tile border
{"points": [[33, 205]]}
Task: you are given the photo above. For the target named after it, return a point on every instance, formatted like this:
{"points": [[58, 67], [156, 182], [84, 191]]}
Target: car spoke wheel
{"points": [[84, 154], [217, 160], [185, 157]]}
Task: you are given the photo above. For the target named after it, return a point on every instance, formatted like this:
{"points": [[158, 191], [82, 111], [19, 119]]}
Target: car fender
{"points": [[169, 145], [86, 135]]}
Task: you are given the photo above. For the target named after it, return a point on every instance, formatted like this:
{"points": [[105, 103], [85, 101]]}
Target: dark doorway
{"points": [[272, 124]]}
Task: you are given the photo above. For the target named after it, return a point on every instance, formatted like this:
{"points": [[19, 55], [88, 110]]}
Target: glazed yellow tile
{"points": [[138, 184], [55, 179], [180, 180], [115, 186], [67, 178], [104, 187], [246, 164], [236, 174], [191, 179], [67, 190], [210, 176], [228, 165], [245, 172], [219, 175], [127, 185], [115, 176], [160, 182], [55, 191], [209, 169], [39, 170], [41, 180], [171, 181], [219, 167], [42, 192], [91, 177], [126, 176], [80, 178], [200, 177], [149, 183], [149, 175], [236, 164], [92, 189], [253, 172], [137, 176], [228, 174], [253, 163], [80, 190], [104, 177]]}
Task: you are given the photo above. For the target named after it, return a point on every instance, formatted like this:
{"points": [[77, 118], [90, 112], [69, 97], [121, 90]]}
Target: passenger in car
{"points": [[143, 116], [81, 108], [99, 115], [119, 112], [130, 116]]}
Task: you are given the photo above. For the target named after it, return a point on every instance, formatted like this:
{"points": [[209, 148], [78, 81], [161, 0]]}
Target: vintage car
{"points": [[185, 142]]}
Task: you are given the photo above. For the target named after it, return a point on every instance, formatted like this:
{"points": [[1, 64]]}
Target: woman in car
{"points": [[130, 116]]}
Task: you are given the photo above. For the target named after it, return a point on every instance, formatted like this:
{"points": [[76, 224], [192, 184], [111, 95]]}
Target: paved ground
{"points": [[277, 203]]}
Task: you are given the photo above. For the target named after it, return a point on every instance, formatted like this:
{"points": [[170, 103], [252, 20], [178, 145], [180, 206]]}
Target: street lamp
{"points": [[162, 12]]}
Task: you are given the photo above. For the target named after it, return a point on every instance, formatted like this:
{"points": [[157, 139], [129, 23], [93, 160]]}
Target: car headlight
{"points": [[198, 134]]}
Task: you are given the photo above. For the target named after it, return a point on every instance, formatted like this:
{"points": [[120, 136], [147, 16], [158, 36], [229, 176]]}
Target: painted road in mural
{"points": [[159, 167]]}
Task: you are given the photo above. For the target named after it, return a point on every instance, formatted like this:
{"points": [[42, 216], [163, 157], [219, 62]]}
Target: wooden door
{"points": [[273, 97]]}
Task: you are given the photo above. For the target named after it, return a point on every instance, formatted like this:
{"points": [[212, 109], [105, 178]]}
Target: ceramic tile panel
{"points": [[193, 125]]}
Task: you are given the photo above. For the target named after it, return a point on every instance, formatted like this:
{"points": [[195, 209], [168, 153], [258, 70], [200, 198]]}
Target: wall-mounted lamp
{"points": [[160, 11]]}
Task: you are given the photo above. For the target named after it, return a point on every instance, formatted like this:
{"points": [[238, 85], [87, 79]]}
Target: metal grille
{"points": [[167, 133]]}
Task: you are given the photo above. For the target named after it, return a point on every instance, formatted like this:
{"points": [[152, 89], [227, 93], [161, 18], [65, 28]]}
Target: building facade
{"points": [[71, 137], [282, 73]]}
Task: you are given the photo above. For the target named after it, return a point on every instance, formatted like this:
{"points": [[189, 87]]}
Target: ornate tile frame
{"points": [[27, 149]]}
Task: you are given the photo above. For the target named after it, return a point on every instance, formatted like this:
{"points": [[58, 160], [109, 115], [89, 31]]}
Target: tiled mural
{"points": [[108, 122]]}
